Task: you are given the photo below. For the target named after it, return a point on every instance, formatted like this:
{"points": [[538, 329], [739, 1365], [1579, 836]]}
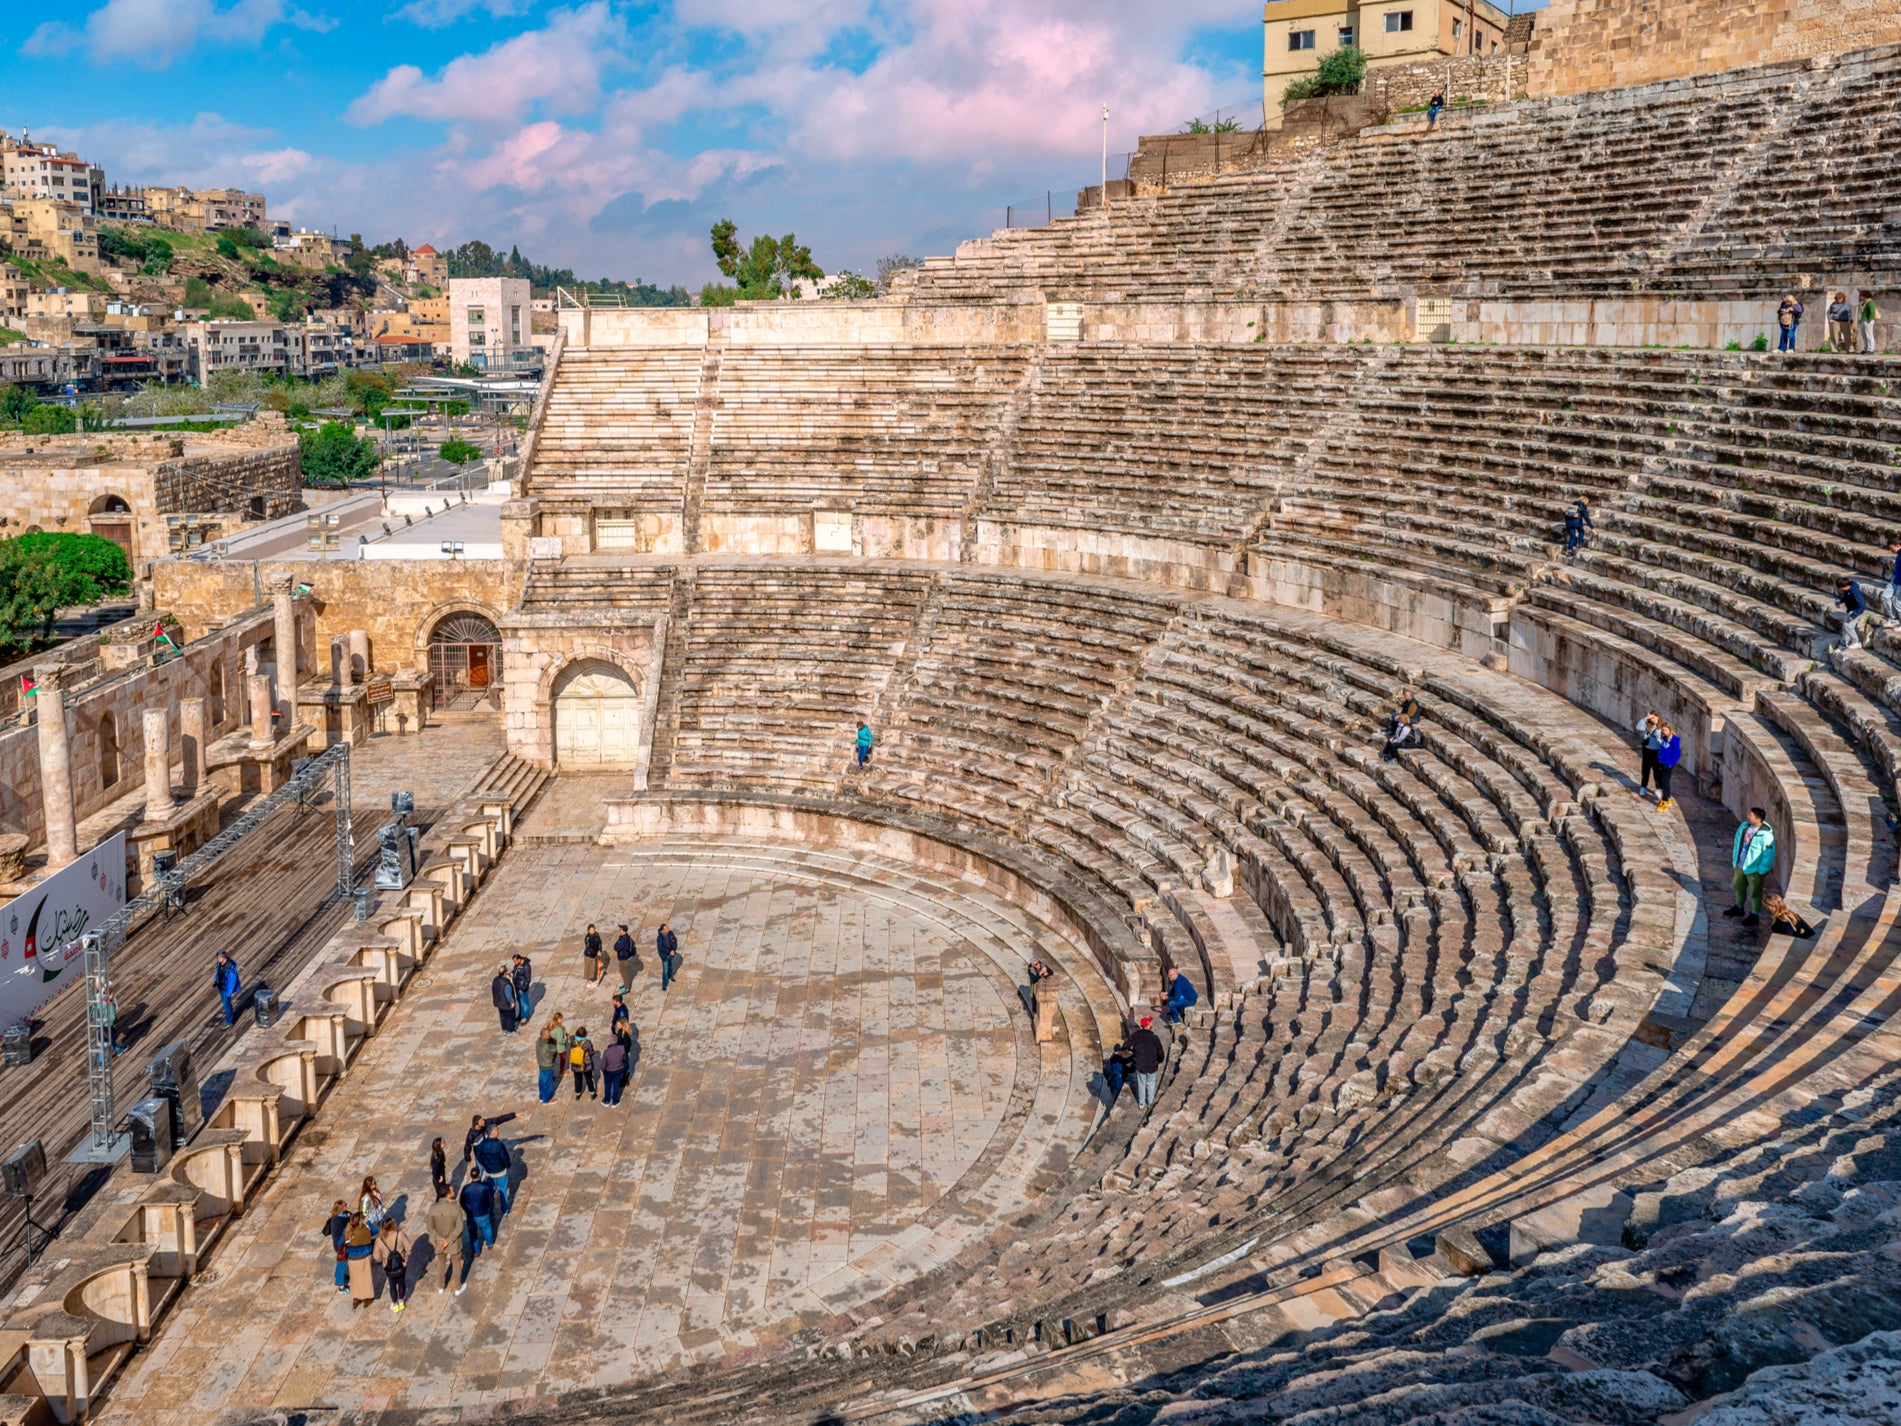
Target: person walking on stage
{"points": [[224, 975], [501, 992], [591, 955], [668, 946], [391, 1252], [444, 1222], [624, 958]]}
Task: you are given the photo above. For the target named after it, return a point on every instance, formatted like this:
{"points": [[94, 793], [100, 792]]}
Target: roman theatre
{"points": [[1125, 534]]}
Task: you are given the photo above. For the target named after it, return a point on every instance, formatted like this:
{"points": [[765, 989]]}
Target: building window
{"points": [[1300, 39], [1458, 28], [1398, 21], [1346, 36]]}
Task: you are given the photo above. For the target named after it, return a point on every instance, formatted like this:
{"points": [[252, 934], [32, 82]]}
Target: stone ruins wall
{"points": [[1587, 45], [1489, 78], [397, 602], [815, 323]]}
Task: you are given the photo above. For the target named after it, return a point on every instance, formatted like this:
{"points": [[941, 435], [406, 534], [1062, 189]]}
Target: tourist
{"points": [[359, 1241], [438, 1165], [501, 992], [391, 1252], [1841, 323], [1435, 106], [444, 1222], [1577, 520], [620, 1016], [478, 1204], [591, 955], [492, 1158], [613, 1070], [1145, 1058], [1789, 319], [1891, 591], [523, 977], [370, 1204], [1783, 920], [478, 1125], [1854, 608], [1649, 738], [1116, 1070], [1669, 754], [624, 958], [582, 1061], [547, 1064], [109, 1018], [333, 1227], [864, 746], [1408, 709], [224, 975], [1403, 737], [1752, 855], [1181, 995], [668, 946], [558, 1027], [1868, 315]]}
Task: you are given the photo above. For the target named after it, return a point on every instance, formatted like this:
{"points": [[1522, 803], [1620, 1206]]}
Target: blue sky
{"points": [[609, 136]]}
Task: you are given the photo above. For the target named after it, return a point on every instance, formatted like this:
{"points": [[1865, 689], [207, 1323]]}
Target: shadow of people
{"points": [[399, 1207]]}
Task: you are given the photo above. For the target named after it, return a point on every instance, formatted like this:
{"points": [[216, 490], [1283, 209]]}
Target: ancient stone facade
{"points": [[1585, 45]]}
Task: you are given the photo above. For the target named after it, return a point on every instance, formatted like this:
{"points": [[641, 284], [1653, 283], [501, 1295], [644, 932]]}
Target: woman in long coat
{"points": [[502, 992], [358, 1245]]}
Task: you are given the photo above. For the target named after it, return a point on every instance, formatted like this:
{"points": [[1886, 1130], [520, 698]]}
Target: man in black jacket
{"points": [[491, 1156], [524, 977], [624, 958], [1147, 1054], [668, 946]]}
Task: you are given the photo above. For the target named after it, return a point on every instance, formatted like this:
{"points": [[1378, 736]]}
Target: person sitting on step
{"points": [[1403, 736], [1783, 920]]}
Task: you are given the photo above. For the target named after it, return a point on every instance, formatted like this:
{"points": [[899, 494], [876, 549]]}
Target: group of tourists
{"points": [[600, 1074], [627, 959], [1857, 613], [1851, 324], [1141, 1054]]}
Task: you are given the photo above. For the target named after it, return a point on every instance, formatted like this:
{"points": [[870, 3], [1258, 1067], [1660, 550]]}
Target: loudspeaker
{"points": [[17, 1043], [164, 863], [150, 1121], [264, 1007], [403, 804], [174, 1080], [23, 1170]]}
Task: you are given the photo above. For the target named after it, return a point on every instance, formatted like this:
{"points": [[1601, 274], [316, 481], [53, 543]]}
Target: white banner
{"points": [[40, 931]]}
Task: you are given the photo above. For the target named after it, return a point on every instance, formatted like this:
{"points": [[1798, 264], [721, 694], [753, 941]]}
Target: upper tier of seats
{"points": [[1744, 183]]}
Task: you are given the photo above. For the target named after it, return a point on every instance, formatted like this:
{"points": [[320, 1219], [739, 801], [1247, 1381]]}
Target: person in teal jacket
{"points": [[1753, 855], [864, 744]]}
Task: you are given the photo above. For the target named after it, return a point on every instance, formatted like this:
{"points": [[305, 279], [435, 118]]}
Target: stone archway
{"points": [[110, 518], [595, 708], [465, 661]]}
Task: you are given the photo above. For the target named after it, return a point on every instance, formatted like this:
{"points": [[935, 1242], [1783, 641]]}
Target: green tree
{"points": [[849, 286], [369, 392], [158, 258], [92, 568], [334, 454], [50, 421], [33, 586], [229, 249], [15, 402], [234, 309], [1340, 72], [92, 416], [457, 451], [197, 293], [766, 269]]}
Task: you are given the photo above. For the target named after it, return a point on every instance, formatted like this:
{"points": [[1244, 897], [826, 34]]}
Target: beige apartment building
{"points": [[489, 323], [1389, 32], [30, 170], [41, 229], [204, 210], [427, 265], [14, 292]]}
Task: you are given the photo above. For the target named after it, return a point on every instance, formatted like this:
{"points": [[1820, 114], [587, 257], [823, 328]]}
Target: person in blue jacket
{"points": [[1669, 754], [1753, 856], [865, 741], [224, 975], [1181, 995], [1854, 606], [667, 946]]}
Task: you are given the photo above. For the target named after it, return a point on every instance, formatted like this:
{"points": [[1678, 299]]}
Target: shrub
{"points": [[1761, 344], [459, 452], [1340, 73], [50, 421], [334, 454], [96, 566]]}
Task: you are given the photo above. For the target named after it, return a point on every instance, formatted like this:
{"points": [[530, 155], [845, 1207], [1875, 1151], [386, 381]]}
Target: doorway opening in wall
{"points": [[110, 518], [596, 710], [465, 663]]}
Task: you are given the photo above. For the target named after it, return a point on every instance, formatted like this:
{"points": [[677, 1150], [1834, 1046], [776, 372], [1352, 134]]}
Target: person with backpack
{"points": [[1752, 856], [224, 975], [391, 1253], [668, 946], [1669, 754], [523, 976], [624, 958], [592, 962], [444, 1222], [1577, 521], [613, 1070], [582, 1061], [1866, 317], [1789, 319]]}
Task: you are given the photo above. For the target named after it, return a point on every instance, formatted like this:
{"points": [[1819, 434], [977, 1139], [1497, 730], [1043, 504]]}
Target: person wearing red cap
{"points": [[1145, 1046]]}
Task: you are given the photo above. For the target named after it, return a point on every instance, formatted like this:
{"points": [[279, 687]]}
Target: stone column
{"points": [[191, 738], [284, 642], [339, 662], [260, 687], [158, 765], [359, 654], [56, 766]]}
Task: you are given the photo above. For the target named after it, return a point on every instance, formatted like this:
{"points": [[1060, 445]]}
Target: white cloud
{"points": [[434, 14], [557, 68], [153, 33]]}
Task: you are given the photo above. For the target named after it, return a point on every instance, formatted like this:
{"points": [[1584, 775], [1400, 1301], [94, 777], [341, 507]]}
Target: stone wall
{"points": [[397, 602], [535, 650], [815, 323], [1587, 45], [1490, 78]]}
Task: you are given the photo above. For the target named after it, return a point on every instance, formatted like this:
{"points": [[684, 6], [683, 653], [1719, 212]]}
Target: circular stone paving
{"points": [[839, 1093]]}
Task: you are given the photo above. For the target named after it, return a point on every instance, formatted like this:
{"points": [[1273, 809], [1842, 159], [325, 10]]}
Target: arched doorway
{"points": [[465, 662], [110, 518], [596, 710]]}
